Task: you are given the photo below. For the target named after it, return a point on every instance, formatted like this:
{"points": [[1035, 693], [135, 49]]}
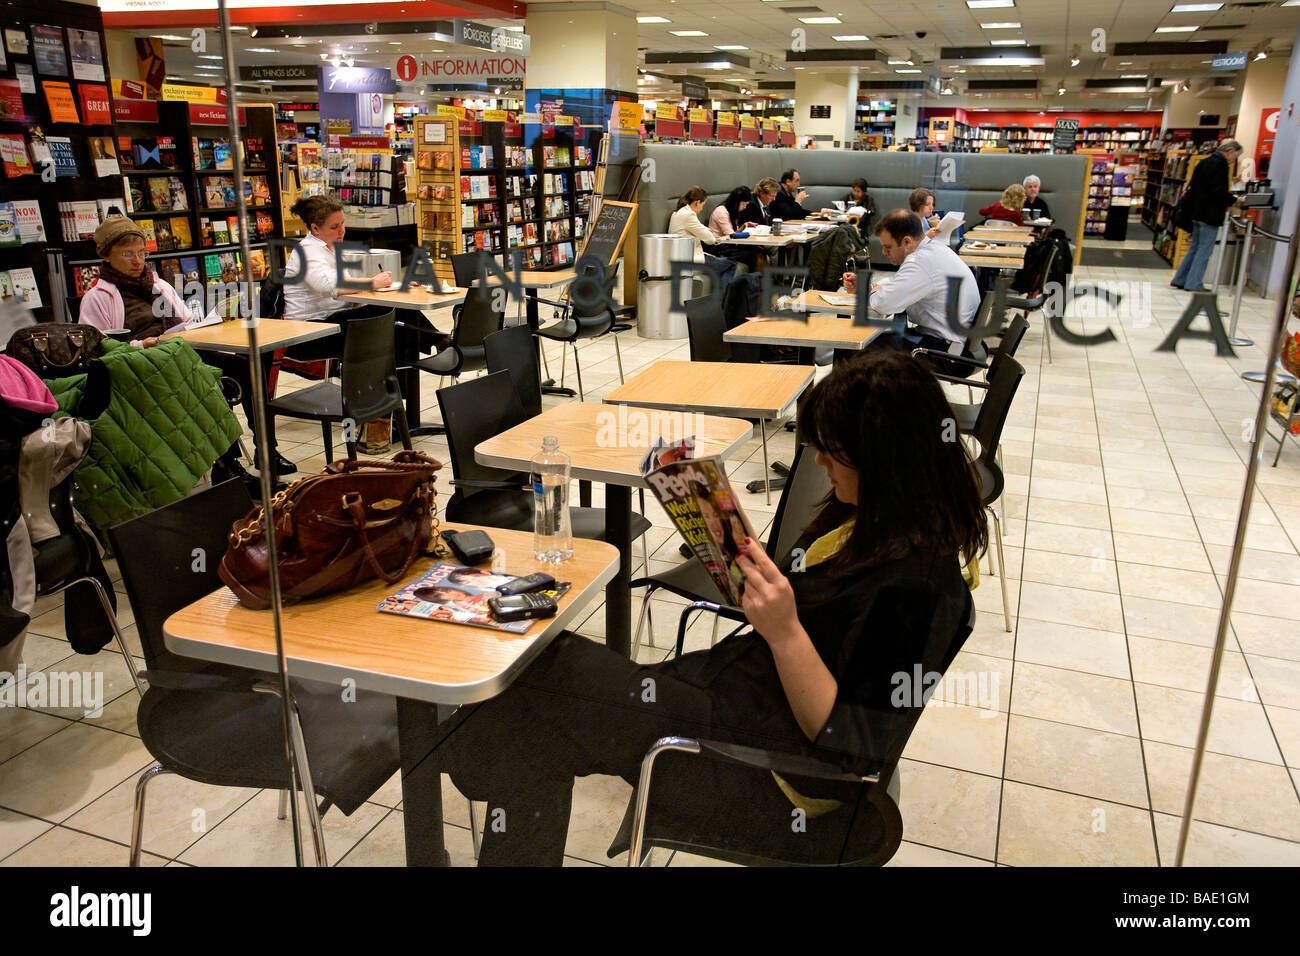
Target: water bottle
{"points": [[552, 530]]}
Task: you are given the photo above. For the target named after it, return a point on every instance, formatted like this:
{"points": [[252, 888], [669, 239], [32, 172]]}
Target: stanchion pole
{"points": [[1238, 543], [1242, 269]]}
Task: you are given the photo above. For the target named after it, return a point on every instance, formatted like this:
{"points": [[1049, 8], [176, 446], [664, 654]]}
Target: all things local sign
{"points": [[452, 72]]}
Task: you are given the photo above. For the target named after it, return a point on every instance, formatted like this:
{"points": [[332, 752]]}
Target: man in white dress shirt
{"points": [[920, 287]]}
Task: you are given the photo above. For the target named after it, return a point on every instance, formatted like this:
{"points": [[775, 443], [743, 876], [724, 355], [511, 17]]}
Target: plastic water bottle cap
{"points": [[550, 443]]}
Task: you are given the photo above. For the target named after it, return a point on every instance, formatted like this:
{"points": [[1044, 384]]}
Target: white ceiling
{"points": [[1059, 28]]}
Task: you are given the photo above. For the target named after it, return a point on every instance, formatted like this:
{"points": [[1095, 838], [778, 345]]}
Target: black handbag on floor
{"points": [[56, 349]]}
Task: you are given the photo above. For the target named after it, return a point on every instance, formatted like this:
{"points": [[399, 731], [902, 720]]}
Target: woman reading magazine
{"points": [[880, 595]]}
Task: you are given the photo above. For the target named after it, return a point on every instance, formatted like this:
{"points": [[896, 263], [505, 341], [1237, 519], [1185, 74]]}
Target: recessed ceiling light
{"points": [[688, 33], [730, 46], [1175, 29], [1008, 43], [820, 20], [394, 42], [209, 56], [1196, 7], [900, 63], [907, 71], [989, 4], [261, 49], [1134, 76], [851, 38], [1001, 26], [168, 36], [652, 20]]}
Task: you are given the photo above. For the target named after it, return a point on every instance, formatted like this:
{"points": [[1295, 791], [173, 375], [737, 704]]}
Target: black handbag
{"points": [[56, 349]]}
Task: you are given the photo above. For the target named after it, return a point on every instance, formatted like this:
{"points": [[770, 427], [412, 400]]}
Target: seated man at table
{"points": [[920, 287], [1035, 206], [786, 204]]}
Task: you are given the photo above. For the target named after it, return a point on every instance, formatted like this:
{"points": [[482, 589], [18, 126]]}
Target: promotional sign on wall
{"points": [[271, 74], [356, 79], [1267, 134]]}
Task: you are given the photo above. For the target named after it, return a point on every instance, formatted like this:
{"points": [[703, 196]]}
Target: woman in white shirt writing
{"points": [[685, 221]]}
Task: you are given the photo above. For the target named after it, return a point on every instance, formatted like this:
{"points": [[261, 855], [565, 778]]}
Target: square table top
{"points": [[1007, 237], [416, 297], [743, 389], [771, 242], [343, 635], [819, 331], [231, 336], [607, 444]]}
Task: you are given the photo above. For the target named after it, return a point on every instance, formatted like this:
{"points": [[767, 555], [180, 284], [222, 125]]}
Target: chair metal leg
{"points": [[1047, 336], [713, 638], [1280, 442], [329, 442], [564, 359], [619, 356], [1002, 563], [117, 632], [137, 814], [473, 829], [403, 429], [641, 620], [578, 369], [634, 857], [767, 477], [546, 366], [283, 809], [305, 780]]}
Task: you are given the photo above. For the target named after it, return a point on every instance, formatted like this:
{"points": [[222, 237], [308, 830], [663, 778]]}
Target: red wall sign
{"points": [[365, 142], [1268, 121], [135, 111], [204, 114]]}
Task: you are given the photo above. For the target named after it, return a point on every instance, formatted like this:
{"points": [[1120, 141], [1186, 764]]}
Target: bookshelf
{"points": [[1173, 175], [70, 136], [194, 222], [876, 118], [302, 173]]}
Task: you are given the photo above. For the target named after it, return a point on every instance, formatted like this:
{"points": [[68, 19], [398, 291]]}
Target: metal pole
{"points": [[1242, 268], [259, 409], [1220, 253], [1239, 542]]}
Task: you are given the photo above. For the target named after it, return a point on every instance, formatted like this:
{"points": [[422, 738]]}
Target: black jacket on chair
{"points": [[1208, 196]]}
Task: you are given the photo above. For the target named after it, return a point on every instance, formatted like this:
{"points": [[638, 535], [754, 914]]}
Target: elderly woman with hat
{"points": [[129, 295]]}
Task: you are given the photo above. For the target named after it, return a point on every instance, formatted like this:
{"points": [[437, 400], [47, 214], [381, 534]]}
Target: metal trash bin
{"points": [[378, 260], [655, 318]]}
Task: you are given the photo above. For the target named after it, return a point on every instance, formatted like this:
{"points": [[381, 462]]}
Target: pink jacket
{"points": [[102, 306]]}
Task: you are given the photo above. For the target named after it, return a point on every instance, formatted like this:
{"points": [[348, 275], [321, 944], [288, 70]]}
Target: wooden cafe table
{"points": [[231, 336], [740, 389], [602, 447], [342, 636]]}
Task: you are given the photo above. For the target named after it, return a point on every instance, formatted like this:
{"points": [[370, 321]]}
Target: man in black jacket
{"points": [[786, 204], [1207, 200]]}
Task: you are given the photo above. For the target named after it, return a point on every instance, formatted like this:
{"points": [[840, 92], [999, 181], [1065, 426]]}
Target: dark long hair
{"points": [[884, 414], [735, 199]]}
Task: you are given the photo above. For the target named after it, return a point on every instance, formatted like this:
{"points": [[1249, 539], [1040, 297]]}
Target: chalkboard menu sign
{"points": [[1064, 135], [606, 235]]}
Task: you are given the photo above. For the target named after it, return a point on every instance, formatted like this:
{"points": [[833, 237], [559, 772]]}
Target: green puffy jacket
{"points": [[158, 421]]}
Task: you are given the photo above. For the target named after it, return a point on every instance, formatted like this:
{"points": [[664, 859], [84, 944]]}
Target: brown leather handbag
{"points": [[359, 520], [56, 349]]}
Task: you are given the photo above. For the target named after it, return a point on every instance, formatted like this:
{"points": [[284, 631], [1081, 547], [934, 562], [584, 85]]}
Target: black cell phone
{"points": [[537, 581], [472, 547], [518, 607]]}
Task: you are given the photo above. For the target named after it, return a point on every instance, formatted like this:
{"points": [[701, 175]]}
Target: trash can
{"points": [[655, 318], [377, 260]]}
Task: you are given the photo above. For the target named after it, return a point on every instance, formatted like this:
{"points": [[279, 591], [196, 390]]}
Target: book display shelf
{"points": [[57, 146]]}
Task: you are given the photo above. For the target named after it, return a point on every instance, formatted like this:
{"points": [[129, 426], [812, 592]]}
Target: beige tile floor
{"points": [[1071, 743]]}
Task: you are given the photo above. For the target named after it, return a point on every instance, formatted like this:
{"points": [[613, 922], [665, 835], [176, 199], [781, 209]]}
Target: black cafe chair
{"points": [[223, 725], [578, 322], [513, 351], [866, 828], [367, 388], [476, 410]]}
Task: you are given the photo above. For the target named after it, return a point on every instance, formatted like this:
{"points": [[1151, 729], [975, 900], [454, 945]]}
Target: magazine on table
{"points": [[698, 497], [459, 594]]}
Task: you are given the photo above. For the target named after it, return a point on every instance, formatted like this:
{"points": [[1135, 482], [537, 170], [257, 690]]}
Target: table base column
{"points": [[618, 596], [417, 731]]}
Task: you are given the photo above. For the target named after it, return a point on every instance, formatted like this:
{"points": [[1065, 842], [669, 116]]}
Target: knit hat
{"points": [[112, 231]]}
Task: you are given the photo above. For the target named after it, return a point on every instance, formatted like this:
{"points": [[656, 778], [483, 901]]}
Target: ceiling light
{"points": [[351, 61], [652, 20], [1175, 29], [261, 49], [851, 38], [820, 20], [688, 33], [947, 90], [1262, 55], [1133, 76], [168, 36], [209, 56], [335, 61], [1060, 91], [1000, 26], [730, 46], [1074, 61], [989, 4], [1195, 7], [901, 63], [394, 42], [324, 56], [907, 71], [1008, 43]]}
